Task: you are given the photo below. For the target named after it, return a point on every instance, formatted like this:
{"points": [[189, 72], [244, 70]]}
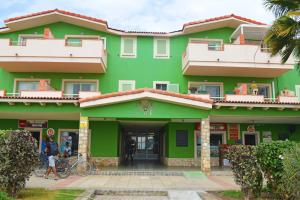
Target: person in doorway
{"points": [[51, 152], [67, 150], [130, 149]]}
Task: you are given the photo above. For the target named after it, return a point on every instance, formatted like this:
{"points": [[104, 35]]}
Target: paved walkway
{"points": [[199, 182]]}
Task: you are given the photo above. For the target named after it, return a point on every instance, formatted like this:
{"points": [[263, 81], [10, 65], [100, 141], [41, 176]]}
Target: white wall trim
{"points": [[297, 91], [147, 95]]}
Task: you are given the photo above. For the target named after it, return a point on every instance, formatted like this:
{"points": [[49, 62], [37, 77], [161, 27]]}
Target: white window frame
{"points": [[27, 80], [257, 136], [41, 135], [206, 40], [87, 37], [126, 55], [79, 81], [297, 91], [261, 84], [121, 82], [223, 133], [160, 82], [155, 53], [221, 84], [28, 36]]}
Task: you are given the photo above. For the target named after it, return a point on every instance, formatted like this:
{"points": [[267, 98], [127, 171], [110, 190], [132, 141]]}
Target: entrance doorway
{"points": [[250, 138], [37, 134], [148, 138]]}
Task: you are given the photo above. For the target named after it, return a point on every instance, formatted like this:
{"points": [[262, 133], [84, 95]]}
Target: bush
{"points": [[290, 187], [17, 159], [245, 168], [270, 159], [3, 196]]}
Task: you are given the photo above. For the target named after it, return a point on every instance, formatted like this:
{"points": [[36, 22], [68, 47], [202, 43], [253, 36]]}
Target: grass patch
{"points": [[40, 193], [235, 194]]}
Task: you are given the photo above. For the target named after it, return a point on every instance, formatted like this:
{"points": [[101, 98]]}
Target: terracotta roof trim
{"points": [[255, 102], [97, 20], [138, 91]]}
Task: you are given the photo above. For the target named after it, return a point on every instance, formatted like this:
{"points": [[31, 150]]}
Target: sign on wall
{"points": [[233, 131], [33, 123], [213, 126], [267, 136], [50, 131]]}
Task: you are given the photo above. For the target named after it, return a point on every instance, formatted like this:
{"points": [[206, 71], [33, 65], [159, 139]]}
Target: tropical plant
{"points": [[270, 159], [289, 189], [3, 196], [18, 157], [245, 169], [284, 35]]}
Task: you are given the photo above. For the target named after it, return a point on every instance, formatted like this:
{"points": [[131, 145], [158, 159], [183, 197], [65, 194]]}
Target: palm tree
{"points": [[284, 35]]}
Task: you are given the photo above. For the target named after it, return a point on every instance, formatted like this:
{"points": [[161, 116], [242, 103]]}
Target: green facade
{"points": [[105, 135]]}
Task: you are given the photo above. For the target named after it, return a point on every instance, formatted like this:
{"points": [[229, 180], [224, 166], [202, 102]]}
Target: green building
{"points": [[179, 95]]}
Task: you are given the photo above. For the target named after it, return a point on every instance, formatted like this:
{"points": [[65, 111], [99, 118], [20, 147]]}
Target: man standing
{"points": [[130, 149], [51, 152]]}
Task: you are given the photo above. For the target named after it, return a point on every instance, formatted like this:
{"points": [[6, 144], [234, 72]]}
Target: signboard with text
{"points": [[33, 123], [233, 131]]}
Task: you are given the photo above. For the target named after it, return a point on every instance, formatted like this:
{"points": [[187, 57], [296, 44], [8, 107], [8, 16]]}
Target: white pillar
{"points": [[83, 137], [205, 146]]}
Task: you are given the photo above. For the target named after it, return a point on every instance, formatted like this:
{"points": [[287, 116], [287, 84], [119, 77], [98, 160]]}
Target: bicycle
{"points": [[61, 165], [82, 167]]}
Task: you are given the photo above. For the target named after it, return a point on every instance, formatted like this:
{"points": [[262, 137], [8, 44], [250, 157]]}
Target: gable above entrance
{"points": [[151, 94]]}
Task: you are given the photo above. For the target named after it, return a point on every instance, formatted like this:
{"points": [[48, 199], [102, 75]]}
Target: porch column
{"points": [[205, 146], [83, 136]]}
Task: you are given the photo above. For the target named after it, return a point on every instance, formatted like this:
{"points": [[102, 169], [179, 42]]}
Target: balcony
{"points": [[232, 60], [53, 55]]}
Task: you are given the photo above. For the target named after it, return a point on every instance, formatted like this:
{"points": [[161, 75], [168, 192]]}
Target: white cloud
{"points": [[146, 15]]}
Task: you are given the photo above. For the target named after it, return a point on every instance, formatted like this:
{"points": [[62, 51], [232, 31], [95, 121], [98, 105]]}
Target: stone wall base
{"points": [[188, 162], [106, 161]]}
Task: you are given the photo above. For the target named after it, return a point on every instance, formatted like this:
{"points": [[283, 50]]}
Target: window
{"points": [[24, 37], [213, 44], [173, 88], [251, 138], [182, 138], [126, 85], [27, 85], [263, 89], [211, 88], [128, 47], [76, 40], [72, 87], [161, 48], [69, 137], [161, 85]]}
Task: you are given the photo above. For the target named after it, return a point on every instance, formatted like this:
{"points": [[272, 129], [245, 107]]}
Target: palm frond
{"points": [[281, 7]]}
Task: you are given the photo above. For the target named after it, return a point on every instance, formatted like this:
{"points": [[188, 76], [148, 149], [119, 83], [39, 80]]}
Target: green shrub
{"points": [[3, 196], [17, 159], [270, 159], [290, 187], [245, 168]]}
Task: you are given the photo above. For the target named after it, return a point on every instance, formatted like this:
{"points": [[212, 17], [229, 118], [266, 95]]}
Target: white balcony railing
{"points": [[53, 55], [232, 60]]}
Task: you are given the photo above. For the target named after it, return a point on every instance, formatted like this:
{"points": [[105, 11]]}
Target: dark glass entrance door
{"points": [[147, 147]]}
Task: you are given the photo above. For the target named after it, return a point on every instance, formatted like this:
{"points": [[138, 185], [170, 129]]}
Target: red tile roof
{"points": [[138, 32], [58, 11], [37, 98], [224, 17], [138, 91], [255, 102]]}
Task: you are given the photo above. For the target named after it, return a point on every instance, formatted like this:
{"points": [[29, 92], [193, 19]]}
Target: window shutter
{"points": [[161, 47], [128, 46], [173, 88]]}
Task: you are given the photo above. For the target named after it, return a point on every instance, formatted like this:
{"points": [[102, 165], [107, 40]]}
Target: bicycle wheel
{"points": [[83, 168], [63, 169]]}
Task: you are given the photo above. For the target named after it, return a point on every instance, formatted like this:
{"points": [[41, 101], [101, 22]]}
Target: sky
{"points": [[142, 15]]}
